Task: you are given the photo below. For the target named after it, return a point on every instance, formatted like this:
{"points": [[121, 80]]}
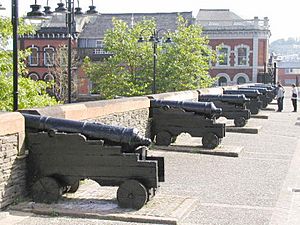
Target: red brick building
{"points": [[50, 40], [242, 45]]}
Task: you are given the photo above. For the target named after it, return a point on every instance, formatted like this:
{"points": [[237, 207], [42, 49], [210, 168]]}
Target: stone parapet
{"points": [[12, 158]]}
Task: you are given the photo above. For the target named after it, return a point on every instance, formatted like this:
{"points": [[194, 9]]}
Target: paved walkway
{"points": [[261, 186]]}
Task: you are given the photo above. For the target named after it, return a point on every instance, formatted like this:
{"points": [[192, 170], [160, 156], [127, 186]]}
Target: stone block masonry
{"points": [[12, 160]]}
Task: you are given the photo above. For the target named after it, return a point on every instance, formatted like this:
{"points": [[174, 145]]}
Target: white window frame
{"points": [[228, 55], [46, 57], [236, 49], [99, 44], [34, 75], [31, 56], [51, 77]]}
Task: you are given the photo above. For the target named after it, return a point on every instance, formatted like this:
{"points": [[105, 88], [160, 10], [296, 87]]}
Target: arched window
{"points": [[33, 76], [222, 81], [48, 56], [34, 56], [223, 53], [242, 55], [48, 77], [241, 80]]}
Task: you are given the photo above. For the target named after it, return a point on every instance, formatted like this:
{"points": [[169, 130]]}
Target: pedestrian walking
{"points": [[294, 97], [280, 97]]}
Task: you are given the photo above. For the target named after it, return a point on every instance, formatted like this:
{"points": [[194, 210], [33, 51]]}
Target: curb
{"points": [[246, 130], [229, 151]]}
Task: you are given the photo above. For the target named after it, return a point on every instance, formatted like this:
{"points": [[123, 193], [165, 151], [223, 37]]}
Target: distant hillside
{"points": [[290, 46]]}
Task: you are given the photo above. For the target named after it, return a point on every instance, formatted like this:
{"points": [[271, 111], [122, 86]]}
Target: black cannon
{"points": [[171, 118], [233, 107], [265, 96], [271, 89], [63, 152], [255, 103]]}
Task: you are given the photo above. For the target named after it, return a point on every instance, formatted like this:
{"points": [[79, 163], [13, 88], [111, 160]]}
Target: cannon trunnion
{"points": [[58, 160], [233, 107], [171, 118]]}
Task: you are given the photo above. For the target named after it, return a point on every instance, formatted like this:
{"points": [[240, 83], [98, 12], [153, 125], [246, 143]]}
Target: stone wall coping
{"points": [[211, 91], [93, 109], [11, 123], [178, 96]]}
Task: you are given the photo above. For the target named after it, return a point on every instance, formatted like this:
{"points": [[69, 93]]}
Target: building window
{"points": [[241, 80], [48, 56], [34, 56], [48, 77], [242, 55], [33, 76], [223, 53], [222, 81], [62, 55], [99, 44]]}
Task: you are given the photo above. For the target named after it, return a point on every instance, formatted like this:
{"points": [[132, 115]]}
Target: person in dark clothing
{"points": [[294, 97]]}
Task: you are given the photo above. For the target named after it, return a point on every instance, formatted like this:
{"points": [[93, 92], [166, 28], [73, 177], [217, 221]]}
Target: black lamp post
{"points": [[155, 39], [14, 20]]}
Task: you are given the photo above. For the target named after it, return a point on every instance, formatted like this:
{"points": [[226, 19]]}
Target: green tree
{"points": [[182, 65], [31, 93]]}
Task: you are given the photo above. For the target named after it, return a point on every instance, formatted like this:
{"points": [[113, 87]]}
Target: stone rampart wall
{"points": [[128, 112]]}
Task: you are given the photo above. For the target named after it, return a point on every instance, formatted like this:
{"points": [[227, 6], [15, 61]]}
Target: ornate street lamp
{"points": [[155, 39]]}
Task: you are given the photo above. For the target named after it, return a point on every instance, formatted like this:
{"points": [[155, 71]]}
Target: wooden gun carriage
{"points": [[233, 107], [171, 118], [63, 152]]}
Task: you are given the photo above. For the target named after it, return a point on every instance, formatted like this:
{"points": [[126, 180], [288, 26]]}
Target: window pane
{"points": [[49, 56], [242, 56], [223, 56], [33, 58]]}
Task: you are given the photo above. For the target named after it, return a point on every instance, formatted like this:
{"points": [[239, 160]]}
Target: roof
{"points": [[224, 19], [103, 22], [57, 24], [216, 14]]}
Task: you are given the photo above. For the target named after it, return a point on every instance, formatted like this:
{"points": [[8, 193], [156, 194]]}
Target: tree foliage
{"points": [[31, 93], [181, 65]]}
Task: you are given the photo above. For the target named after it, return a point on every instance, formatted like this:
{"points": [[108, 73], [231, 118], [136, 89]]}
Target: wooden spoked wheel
{"points": [[210, 141], [46, 190], [163, 138], [132, 194], [240, 122]]}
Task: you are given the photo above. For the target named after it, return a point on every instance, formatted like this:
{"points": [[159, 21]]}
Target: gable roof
{"points": [[216, 14], [103, 22]]}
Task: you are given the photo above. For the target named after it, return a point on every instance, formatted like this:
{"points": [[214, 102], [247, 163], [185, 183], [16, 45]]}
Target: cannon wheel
{"points": [[240, 122], [74, 187], [163, 138], [254, 110], [46, 190], [210, 140], [132, 194], [173, 139]]}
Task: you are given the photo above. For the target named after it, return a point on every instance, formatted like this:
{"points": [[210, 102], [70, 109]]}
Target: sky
{"points": [[284, 16]]}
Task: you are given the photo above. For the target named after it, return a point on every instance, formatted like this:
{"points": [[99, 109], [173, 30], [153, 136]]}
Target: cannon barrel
{"points": [[235, 99], [91, 130], [260, 89], [206, 108], [249, 93]]}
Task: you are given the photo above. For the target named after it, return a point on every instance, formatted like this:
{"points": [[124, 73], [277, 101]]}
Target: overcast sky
{"points": [[284, 15]]}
